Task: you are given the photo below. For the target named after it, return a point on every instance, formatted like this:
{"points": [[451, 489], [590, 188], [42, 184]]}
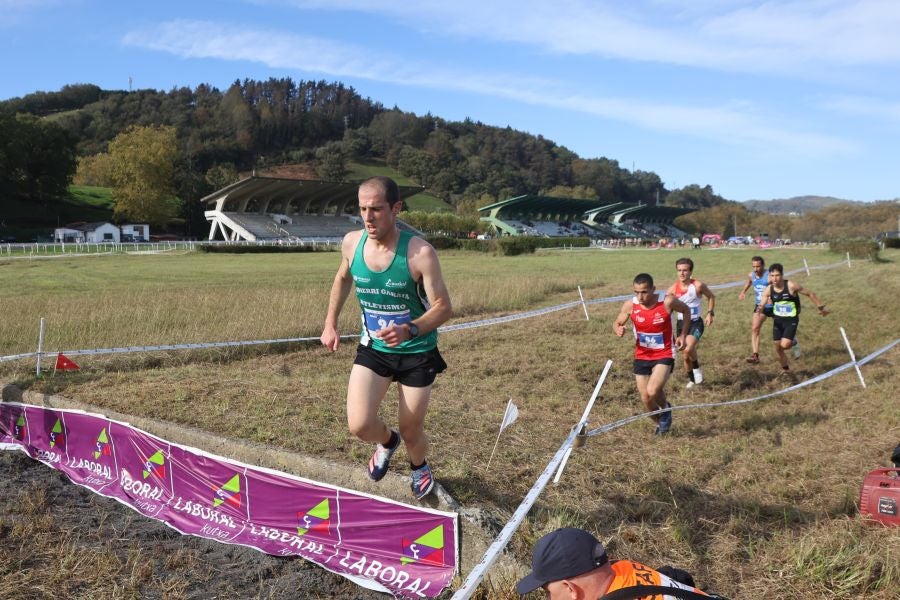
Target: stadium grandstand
{"points": [[280, 209], [547, 216]]}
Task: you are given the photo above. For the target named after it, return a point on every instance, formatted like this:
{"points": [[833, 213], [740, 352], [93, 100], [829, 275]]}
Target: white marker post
{"points": [[806, 266], [468, 587], [40, 348], [583, 305], [583, 422], [853, 358], [848, 260]]}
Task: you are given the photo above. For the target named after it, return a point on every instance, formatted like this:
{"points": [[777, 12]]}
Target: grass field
{"points": [[756, 500]]}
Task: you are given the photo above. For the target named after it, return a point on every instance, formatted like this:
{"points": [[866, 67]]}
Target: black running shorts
{"points": [[784, 329], [415, 370], [645, 367]]}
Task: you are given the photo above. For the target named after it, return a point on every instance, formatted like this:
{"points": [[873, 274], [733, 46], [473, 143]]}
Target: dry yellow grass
{"points": [[756, 500]]}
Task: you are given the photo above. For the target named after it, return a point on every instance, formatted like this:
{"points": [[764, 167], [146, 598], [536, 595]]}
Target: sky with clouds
{"points": [[758, 99]]}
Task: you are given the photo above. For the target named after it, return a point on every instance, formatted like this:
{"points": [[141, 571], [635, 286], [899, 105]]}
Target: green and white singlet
{"points": [[389, 297]]}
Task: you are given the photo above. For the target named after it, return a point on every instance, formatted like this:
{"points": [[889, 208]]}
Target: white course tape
{"points": [[447, 328], [816, 379], [490, 556], [477, 574]]}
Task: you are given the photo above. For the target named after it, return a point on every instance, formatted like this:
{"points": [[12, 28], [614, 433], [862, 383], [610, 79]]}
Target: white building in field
{"points": [[135, 232], [95, 233]]}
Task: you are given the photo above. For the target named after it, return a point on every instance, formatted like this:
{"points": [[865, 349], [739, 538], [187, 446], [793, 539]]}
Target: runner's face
{"points": [[376, 213], [776, 278], [684, 273], [757, 267], [645, 294]]}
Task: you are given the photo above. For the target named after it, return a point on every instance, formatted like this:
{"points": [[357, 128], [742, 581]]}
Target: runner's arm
{"points": [[425, 267], [747, 285], [673, 304], [765, 299], [622, 319], [812, 296], [340, 289], [711, 299]]}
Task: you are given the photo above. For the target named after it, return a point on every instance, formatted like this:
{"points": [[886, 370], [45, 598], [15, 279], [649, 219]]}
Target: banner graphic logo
{"points": [[427, 549], [103, 448], [229, 493], [20, 429], [317, 519], [155, 465], [56, 434]]}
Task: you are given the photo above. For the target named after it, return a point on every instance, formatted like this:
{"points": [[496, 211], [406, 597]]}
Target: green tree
{"points": [[332, 161], [37, 158], [219, 176], [142, 166], [94, 170]]}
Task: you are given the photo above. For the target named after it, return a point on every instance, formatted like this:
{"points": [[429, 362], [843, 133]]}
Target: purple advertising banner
{"points": [[407, 551]]}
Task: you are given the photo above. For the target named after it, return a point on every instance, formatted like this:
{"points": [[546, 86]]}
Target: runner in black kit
{"points": [[784, 297]]}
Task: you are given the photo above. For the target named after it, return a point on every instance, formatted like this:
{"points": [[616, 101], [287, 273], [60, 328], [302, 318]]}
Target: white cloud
{"points": [[799, 37], [14, 12], [735, 124], [861, 106]]}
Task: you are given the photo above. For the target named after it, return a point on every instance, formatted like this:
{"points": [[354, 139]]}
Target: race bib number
{"points": [[759, 292], [695, 312], [651, 341], [785, 309], [376, 319]]}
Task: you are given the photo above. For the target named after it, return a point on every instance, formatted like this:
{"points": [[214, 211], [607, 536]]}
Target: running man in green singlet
{"points": [[403, 300]]}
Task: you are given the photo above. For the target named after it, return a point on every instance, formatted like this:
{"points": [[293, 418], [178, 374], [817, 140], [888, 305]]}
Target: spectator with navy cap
{"points": [[571, 563]]}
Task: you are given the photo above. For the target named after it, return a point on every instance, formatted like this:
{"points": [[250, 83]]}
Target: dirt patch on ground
{"points": [[61, 540], [295, 171]]}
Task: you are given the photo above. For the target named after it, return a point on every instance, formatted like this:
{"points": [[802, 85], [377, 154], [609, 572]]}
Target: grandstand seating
{"points": [[263, 227], [316, 226]]}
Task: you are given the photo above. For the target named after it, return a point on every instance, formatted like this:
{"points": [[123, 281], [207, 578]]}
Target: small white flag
{"points": [[509, 417]]}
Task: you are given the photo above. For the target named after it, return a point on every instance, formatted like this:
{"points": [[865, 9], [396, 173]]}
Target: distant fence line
{"points": [[446, 328], [50, 249]]}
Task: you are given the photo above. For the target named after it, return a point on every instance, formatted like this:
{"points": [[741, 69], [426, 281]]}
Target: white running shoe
{"points": [[698, 376], [796, 350], [689, 385]]}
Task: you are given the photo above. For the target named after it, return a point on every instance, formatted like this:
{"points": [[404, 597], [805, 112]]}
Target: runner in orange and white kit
{"points": [[654, 355], [571, 563], [691, 291]]}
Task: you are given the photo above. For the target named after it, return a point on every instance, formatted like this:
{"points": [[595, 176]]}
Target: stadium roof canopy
{"points": [[647, 213], [291, 196], [546, 207], [557, 209]]}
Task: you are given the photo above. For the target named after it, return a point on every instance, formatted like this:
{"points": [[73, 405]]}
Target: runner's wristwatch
{"points": [[413, 331]]}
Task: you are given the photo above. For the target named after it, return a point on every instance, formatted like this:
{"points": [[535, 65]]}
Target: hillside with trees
{"points": [[83, 133]]}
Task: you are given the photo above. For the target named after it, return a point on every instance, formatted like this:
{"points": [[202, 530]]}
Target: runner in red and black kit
{"points": [[654, 356]]}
